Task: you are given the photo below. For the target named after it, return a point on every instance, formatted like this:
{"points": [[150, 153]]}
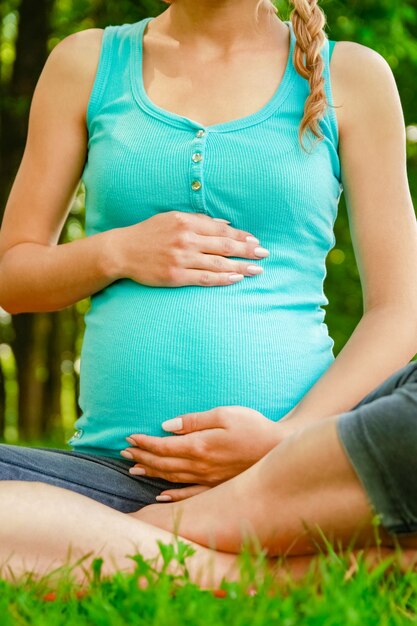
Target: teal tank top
{"points": [[153, 353]]}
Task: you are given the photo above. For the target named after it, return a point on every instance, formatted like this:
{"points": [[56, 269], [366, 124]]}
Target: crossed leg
{"points": [[304, 481]]}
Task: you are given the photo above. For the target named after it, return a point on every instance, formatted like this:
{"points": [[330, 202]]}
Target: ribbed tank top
{"points": [[153, 353]]}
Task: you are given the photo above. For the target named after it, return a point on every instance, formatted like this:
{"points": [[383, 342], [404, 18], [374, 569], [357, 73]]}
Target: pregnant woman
{"points": [[208, 112]]}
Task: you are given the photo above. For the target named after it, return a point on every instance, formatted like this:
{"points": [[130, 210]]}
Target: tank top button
{"points": [[196, 185], [200, 133], [197, 156]]}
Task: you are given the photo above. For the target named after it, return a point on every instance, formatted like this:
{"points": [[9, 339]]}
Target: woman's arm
{"points": [[383, 229], [36, 274]]}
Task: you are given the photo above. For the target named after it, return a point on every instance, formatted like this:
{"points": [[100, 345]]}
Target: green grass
{"points": [[333, 593]]}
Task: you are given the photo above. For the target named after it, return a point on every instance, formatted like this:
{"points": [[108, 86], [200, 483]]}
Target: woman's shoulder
{"points": [[80, 51], [355, 59], [77, 52], [72, 65], [359, 75], [75, 57], [81, 64], [78, 45]]}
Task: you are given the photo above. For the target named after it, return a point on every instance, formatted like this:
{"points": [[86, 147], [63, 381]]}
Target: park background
{"points": [[39, 352]]}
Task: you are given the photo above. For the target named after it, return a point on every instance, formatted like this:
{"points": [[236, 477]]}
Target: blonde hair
{"points": [[308, 21]]}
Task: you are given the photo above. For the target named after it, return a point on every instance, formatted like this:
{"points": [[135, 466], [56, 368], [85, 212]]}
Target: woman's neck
{"points": [[226, 25]]}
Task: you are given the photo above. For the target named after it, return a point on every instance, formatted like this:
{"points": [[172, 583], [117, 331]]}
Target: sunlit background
{"points": [[39, 353]]}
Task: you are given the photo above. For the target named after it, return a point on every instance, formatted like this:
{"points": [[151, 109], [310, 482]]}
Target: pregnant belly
{"points": [[150, 354]]}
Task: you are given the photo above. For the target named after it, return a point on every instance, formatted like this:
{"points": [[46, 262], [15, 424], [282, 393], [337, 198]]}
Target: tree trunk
{"points": [[31, 53]]}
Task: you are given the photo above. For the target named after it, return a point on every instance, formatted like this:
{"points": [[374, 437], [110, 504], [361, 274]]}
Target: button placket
{"points": [[197, 163]]}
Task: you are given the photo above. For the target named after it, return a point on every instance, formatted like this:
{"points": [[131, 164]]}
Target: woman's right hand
{"points": [[176, 248]]}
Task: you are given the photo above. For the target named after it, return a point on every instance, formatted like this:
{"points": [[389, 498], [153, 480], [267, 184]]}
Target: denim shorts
{"points": [[101, 478], [379, 436]]}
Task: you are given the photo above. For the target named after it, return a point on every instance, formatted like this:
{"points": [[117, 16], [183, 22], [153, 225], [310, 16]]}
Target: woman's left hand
{"points": [[210, 447]]}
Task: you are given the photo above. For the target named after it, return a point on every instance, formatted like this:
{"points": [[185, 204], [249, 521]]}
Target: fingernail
{"points": [[250, 238], [254, 269], [173, 425], [163, 498], [235, 277], [261, 251], [131, 441], [137, 471], [219, 219], [126, 454]]}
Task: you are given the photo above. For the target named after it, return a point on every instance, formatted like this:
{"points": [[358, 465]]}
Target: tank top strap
{"points": [[112, 73], [102, 74], [331, 46], [330, 113]]}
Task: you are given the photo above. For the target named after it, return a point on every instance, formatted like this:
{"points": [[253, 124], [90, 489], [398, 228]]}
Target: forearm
{"points": [[36, 277], [383, 341]]}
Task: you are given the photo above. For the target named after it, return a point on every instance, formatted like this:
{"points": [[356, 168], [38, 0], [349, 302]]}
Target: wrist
{"points": [[276, 433], [112, 255]]}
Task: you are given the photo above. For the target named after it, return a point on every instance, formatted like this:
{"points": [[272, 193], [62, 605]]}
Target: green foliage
{"points": [[337, 590]]}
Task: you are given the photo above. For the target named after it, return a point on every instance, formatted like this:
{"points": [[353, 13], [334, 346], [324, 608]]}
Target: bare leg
{"points": [[44, 527], [39, 523], [305, 481]]}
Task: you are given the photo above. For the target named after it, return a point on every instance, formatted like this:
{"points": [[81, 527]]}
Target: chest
{"points": [[210, 91], [267, 187]]}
